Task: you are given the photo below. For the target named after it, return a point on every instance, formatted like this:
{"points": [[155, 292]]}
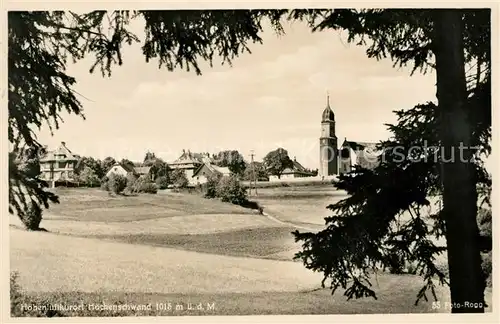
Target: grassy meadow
{"points": [[91, 204], [182, 248], [301, 205]]}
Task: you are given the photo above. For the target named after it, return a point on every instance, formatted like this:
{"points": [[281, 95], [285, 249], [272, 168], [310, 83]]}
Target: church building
{"points": [[351, 153], [363, 154], [328, 152]]}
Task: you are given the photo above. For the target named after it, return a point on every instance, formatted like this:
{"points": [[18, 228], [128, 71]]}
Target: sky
{"points": [[270, 98]]}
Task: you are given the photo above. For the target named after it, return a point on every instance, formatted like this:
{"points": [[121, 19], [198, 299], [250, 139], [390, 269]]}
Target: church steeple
{"points": [[328, 114], [328, 142]]}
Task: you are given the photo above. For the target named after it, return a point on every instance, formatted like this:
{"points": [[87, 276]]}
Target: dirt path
{"points": [[192, 224], [311, 227]]}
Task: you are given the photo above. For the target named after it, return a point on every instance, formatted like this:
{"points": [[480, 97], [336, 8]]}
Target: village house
{"points": [[124, 170], [201, 175], [144, 171], [58, 165], [119, 169], [296, 171], [190, 162], [197, 167]]}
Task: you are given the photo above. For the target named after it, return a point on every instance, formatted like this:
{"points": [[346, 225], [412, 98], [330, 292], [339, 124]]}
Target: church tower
{"points": [[328, 157]]}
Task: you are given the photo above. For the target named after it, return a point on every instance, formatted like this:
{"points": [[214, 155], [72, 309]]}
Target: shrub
{"points": [[144, 185], [32, 217], [179, 179], [397, 263], [484, 224], [487, 267], [253, 205], [88, 177], [411, 268], [162, 182], [116, 183], [18, 299], [131, 180], [484, 221], [211, 185], [150, 188], [229, 189], [443, 267], [15, 294], [104, 184]]}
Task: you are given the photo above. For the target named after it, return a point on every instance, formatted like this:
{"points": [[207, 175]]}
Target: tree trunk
{"points": [[458, 175]]}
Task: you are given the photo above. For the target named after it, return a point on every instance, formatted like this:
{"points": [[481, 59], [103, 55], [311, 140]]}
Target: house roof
{"points": [[296, 168], [142, 170], [61, 150], [223, 170], [123, 166], [212, 168], [187, 157]]}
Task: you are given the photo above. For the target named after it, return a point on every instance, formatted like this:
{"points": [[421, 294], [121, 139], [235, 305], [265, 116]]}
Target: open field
{"points": [[96, 205], [185, 221], [73, 270], [181, 248], [299, 205], [314, 302]]}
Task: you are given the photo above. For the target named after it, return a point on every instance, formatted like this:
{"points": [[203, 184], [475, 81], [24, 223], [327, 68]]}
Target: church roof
{"points": [[328, 114], [360, 146]]}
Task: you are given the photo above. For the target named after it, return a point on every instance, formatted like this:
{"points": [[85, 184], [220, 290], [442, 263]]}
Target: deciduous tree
{"points": [[128, 164], [107, 164], [256, 169], [277, 161], [231, 159], [179, 178], [88, 177], [95, 165]]}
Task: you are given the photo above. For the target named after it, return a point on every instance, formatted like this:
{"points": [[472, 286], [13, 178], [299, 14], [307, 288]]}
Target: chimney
{"points": [[294, 159]]}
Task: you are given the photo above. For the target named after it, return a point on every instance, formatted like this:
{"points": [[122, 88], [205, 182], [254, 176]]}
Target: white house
{"points": [[119, 169], [124, 170], [296, 171], [189, 162], [200, 175], [58, 165]]}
